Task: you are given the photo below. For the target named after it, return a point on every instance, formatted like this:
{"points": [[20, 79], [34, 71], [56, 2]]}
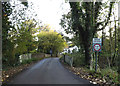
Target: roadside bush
{"points": [[30, 60], [111, 74], [78, 59], [26, 61]]}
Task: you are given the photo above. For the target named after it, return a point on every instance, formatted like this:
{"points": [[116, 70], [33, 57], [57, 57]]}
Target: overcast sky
{"points": [[50, 11]]}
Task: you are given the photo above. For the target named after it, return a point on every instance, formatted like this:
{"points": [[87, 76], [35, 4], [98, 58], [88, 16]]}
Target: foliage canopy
{"points": [[50, 40]]}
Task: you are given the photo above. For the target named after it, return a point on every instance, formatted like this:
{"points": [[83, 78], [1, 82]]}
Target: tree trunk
{"points": [[113, 60], [87, 56], [115, 43], [110, 44], [103, 37], [119, 52], [119, 41], [87, 53], [1, 41]]}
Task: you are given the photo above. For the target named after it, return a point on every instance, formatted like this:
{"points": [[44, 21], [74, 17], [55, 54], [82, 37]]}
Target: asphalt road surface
{"points": [[47, 71]]}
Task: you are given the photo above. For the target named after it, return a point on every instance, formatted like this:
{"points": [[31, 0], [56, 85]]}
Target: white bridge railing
{"points": [[68, 60], [25, 57], [34, 55]]}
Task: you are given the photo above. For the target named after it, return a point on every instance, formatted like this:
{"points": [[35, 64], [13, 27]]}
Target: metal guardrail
{"points": [[68, 60]]}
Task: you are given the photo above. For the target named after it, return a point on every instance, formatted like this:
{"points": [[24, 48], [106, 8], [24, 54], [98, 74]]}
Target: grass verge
{"points": [[105, 76]]}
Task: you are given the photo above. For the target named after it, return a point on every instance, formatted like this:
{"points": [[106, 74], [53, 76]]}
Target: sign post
{"points": [[97, 42], [96, 61]]}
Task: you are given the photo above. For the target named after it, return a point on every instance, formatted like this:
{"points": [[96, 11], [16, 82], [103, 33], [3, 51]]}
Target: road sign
{"points": [[97, 42], [97, 47]]}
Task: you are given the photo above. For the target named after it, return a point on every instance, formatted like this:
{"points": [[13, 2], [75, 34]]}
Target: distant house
{"points": [[70, 50]]}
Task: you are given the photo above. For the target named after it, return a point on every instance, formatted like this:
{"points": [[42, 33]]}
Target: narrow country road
{"points": [[47, 71]]}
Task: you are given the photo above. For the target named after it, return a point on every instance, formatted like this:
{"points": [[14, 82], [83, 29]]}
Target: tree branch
{"points": [[108, 18]]}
